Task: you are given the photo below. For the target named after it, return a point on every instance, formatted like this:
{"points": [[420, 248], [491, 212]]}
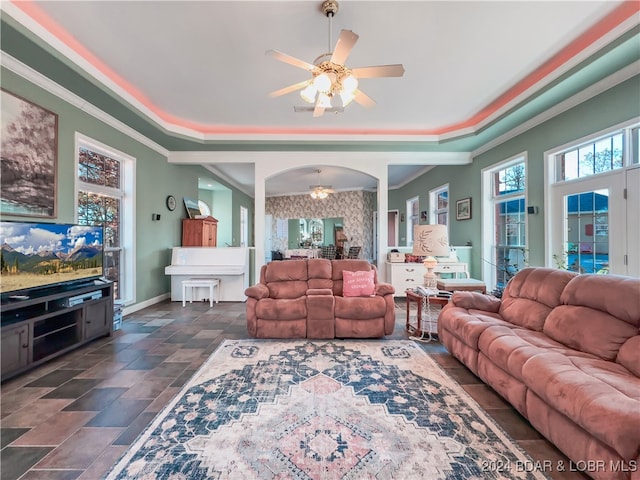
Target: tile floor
{"points": [[73, 417]]}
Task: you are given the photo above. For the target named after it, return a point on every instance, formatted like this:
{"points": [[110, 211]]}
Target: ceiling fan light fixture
{"points": [[349, 84], [323, 83], [309, 93], [346, 97], [323, 100], [319, 194]]}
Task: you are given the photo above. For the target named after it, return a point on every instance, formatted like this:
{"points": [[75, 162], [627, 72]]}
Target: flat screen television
{"points": [[35, 255]]}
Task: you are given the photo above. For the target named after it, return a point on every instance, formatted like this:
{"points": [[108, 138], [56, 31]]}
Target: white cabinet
{"points": [[409, 275], [457, 269], [404, 275]]}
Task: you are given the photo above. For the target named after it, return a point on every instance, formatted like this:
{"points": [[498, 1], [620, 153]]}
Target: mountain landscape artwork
{"points": [[37, 254]]}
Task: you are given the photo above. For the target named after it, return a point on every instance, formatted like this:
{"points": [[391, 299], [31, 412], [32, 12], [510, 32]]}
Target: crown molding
{"points": [[591, 91], [339, 158]]}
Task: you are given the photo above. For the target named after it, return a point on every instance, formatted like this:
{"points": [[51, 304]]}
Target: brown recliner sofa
{"points": [[564, 350], [304, 299]]}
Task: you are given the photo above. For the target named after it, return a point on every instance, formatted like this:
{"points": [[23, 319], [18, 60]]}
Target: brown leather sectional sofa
{"points": [[564, 350]]}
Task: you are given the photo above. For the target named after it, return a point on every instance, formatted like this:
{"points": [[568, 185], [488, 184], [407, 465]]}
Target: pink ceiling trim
{"points": [[36, 13], [622, 13], [604, 26]]}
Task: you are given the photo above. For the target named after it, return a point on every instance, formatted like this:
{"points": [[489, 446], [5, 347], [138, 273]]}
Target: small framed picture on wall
{"points": [[463, 209]]}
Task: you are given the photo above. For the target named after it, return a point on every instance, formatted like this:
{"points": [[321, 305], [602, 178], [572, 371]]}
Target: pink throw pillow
{"points": [[358, 284]]}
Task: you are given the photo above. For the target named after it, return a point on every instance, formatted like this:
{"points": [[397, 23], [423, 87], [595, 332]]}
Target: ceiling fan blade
{"points": [[318, 111], [296, 62], [290, 88], [345, 43], [396, 70], [363, 99]]}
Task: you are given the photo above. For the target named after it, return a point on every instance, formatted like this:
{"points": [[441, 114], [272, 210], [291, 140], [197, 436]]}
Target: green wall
{"points": [[223, 211], [225, 206], [616, 105], [155, 179]]}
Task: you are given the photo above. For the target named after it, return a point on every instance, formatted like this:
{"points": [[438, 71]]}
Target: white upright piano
{"points": [[229, 264]]}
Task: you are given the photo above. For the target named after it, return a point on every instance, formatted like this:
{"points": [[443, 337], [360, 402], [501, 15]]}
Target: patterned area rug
{"points": [[322, 410]]}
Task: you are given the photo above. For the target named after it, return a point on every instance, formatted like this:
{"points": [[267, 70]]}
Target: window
{"points": [[244, 226], [592, 158], [439, 201], [505, 240], [104, 185], [634, 144], [593, 186], [587, 220], [413, 218]]}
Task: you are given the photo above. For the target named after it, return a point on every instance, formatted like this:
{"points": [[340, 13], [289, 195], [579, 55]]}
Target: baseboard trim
{"points": [[147, 303]]}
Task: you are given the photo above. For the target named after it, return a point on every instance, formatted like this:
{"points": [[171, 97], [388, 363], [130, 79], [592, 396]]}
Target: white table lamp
{"points": [[430, 241]]}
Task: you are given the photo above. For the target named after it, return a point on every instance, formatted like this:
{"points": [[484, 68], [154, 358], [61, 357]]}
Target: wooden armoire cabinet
{"points": [[200, 232]]}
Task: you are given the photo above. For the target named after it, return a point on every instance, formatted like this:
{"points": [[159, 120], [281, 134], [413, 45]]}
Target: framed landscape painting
{"points": [[193, 209], [29, 158]]}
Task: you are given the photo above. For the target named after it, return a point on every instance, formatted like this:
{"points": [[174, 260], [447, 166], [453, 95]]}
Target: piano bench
{"points": [[192, 283]]}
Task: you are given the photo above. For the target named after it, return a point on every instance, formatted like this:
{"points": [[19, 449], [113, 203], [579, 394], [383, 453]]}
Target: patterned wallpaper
{"points": [[356, 208]]}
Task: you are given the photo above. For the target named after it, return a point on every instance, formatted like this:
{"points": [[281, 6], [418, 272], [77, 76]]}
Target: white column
{"points": [[383, 223], [259, 228]]}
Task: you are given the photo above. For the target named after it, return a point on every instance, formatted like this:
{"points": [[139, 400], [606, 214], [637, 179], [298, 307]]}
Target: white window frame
{"points": [[411, 217], [434, 211], [488, 208], [127, 280], [244, 226], [634, 144], [630, 156], [619, 242]]}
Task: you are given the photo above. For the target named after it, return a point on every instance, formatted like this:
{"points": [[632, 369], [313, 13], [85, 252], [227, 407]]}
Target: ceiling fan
{"points": [[318, 191], [331, 79]]}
